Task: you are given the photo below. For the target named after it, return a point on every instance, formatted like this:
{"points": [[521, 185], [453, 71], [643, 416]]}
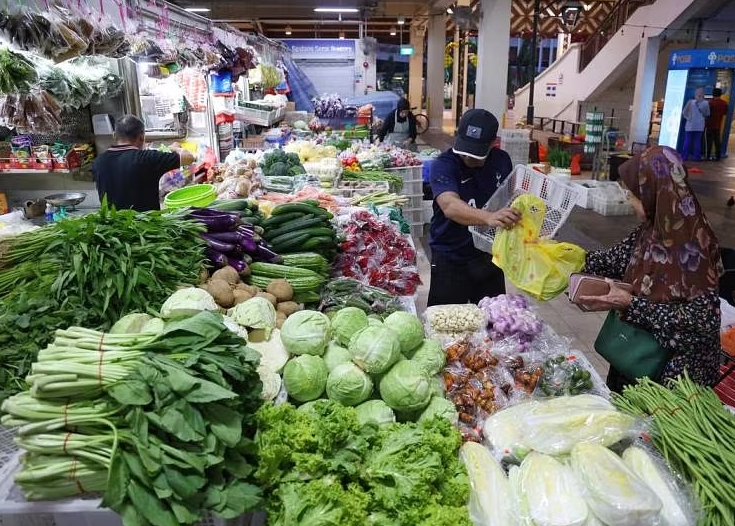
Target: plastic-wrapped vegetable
{"points": [[552, 493], [613, 492], [489, 503]]}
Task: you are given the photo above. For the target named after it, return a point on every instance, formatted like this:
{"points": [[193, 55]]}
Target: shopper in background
{"points": [[717, 112], [463, 179], [673, 263], [128, 174], [399, 128], [695, 112]]}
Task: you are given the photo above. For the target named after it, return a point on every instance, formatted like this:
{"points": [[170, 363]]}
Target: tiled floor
{"points": [[713, 185]]}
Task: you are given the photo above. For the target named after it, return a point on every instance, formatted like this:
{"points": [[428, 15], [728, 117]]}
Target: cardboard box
{"points": [[290, 106]]}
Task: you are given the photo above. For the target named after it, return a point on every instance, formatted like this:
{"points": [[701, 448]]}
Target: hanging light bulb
{"points": [[401, 20], [288, 30], [393, 31], [341, 35]]}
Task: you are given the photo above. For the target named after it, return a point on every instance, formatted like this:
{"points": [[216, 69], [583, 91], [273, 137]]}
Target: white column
{"points": [[456, 81], [436, 35], [644, 83], [492, 57], [416, 67]]}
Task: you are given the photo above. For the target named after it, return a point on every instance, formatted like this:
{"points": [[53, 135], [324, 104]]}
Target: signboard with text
{"points": [[321, 49], [702, 58]]}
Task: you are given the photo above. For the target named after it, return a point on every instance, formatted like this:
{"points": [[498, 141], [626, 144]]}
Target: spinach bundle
{"points": [[17, 73], [162, 424], [96, 268]]}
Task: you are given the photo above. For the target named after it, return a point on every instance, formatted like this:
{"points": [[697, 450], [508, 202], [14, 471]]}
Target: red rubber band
{"points": [[80, 487], [66, 442]]}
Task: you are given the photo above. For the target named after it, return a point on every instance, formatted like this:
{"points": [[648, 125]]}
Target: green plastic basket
{"points": [[194, 195]]}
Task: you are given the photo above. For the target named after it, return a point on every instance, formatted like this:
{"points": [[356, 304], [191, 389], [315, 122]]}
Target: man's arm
{"points": [[457, 210], [185, 156], [387, 127]]}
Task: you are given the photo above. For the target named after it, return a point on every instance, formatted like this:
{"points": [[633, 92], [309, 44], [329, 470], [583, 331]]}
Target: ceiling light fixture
{"points": [[341, 35], [393, 31], [335, 10], [288, 30], [450, 11], [401, 20], [197, 9]]}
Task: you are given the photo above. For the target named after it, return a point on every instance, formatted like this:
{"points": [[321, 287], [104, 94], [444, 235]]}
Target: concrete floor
{"points": [[713, 185]]}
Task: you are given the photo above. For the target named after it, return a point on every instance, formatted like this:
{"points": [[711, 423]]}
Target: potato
{"points": [[227, 274], [221, 291], [287, 307], [280, 319], [281, 289], [203, 275], [269, 297], [241, 295]]}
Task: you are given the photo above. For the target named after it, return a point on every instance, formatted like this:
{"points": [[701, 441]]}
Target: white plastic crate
{"points": [[414, 201], [559, 198], [611, 201], [517, 143], [428, 210], [417, 230], [413, 215], [412, 186]]}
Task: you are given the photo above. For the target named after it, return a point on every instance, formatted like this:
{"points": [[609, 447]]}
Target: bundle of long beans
{"points": [[695, 433]]}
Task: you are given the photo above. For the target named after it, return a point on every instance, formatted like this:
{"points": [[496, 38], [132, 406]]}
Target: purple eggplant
{"points": [[248, 244], [218, 259], [219, 246], [228, 237], [209, 212], [220, 223], [239, 265], [264, 253]]}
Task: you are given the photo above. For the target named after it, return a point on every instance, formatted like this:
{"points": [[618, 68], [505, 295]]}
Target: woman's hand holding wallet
{"points": [[594, 293]]}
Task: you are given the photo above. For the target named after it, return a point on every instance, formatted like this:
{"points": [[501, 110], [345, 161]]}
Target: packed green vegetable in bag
{"points": [[540, 267]]}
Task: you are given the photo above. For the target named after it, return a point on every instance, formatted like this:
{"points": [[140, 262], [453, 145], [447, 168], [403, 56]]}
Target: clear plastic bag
{"points": [[461, 319]]}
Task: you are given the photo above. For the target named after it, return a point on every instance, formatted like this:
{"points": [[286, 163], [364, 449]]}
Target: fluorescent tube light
{"points": [[288, 30], [197, 9], [393, 31], [335, 10]]}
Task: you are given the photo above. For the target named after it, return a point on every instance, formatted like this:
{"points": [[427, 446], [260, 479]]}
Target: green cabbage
{"points": [[408, 328], [348, 384], [346, 322], [305, 377], [154, 326], [375, 411], [335, 355], [306, 332], [187, 302], [406, 387], [132, 323], [613, 492], [430, 356], [375, 349], [375, 321], [440, 406], [255, 313]]}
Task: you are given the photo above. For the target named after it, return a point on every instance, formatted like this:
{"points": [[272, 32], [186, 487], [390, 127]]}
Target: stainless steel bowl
{"points": [[66, 199]]}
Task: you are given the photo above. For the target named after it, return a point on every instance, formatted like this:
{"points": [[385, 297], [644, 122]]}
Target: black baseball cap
{"points": [[477, 130]]}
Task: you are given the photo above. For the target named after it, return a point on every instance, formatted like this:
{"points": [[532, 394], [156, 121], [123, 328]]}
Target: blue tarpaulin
{"points": [[383, 102], [302, 89]]}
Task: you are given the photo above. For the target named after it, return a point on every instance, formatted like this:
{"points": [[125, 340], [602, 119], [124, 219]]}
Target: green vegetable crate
{"points": [[16, 511]]}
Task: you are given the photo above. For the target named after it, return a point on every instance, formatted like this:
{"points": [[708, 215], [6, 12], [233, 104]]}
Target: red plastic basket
{"points": [[726, 388]]}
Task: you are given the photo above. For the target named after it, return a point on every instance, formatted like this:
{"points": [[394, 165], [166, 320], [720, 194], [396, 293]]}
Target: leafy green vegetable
{"points": [[375, 411], [430, 356], [409, 329], [306, 332], [406, 387], [335, 355], [305, 377], [375, 349], [348, 384], [346, 322]]}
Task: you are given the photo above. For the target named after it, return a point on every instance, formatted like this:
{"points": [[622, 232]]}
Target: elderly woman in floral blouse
{"points": [[673, 263]]}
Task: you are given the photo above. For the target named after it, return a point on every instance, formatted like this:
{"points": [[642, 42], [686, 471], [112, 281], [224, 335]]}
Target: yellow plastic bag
{"points": [[540, 267]]}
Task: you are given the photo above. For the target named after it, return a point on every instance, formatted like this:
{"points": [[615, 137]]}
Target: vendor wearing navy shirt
{"points": [[462, 180], [128, 174]]}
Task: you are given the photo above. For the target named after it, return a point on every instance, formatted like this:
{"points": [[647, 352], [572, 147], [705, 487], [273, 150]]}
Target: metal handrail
{"points": [[621, 13]]}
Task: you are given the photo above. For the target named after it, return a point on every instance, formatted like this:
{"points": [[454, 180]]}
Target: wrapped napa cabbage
{"points": [[132, 323], [375, 411], [346, 322], [336, 355], [305, 377], [375, 349], [348, 384], [409, 329], [406, 387], [675, 510], [187, 302], [490, 503], [255, 313], [272, 353], [553, 496], [306, 332], [613, 492]]}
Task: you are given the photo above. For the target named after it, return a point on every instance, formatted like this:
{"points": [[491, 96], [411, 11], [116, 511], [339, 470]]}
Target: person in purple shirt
{"points": [[462, 180]]}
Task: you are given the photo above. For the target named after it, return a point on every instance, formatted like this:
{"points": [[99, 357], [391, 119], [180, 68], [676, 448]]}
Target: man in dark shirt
{"points": [[462, 180], [129, 174], [713, 128]]}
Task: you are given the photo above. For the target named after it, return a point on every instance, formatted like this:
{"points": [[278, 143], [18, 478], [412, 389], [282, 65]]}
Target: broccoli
{"points": [[292, 159], [296, 170], [275, 156], [277, 169]]}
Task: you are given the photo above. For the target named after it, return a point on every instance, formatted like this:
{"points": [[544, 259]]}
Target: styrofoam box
{"points": [[16, 511]]}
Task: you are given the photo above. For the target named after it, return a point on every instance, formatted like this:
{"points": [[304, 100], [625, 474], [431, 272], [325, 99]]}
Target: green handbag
{"points": [[633, 352]]}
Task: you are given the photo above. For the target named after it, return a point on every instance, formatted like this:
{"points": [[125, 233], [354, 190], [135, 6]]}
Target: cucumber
{"points": [[296, 224], [293, 244], [250, 220], [274, 221], [318, 242], [301, 207], [234, 205]]}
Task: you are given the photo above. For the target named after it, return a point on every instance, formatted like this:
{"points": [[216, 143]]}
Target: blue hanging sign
{"points": [[329, 49], [702, 58]]}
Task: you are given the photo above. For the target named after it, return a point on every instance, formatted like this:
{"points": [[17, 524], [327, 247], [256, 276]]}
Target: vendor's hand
{"points": [[505, 218], [617, 298]]}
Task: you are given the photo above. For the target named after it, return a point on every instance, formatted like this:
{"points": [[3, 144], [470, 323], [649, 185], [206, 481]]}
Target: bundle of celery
{"points": [[160, 424], [381, 198], [695, 433]]}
